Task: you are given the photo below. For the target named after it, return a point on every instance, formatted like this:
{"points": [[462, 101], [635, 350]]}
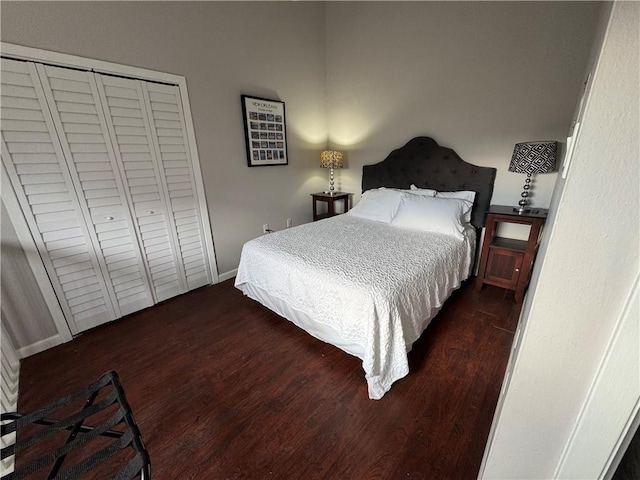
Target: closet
{"points": [[102, 169]]}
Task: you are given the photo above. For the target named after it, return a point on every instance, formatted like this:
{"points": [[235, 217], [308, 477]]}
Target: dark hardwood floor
{"points": [[222, 388]]}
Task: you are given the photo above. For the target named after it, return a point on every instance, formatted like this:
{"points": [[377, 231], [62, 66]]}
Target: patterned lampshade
{"points": [[534, 157], [331, 159]]}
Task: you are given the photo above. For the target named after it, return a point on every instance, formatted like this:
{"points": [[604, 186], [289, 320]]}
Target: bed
{"points": [[370, 281]]}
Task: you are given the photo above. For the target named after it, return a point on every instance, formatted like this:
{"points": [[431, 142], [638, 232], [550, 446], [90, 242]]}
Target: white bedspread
{"points": [[377, 286]]}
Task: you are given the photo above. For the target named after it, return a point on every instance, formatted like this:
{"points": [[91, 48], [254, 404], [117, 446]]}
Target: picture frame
{"points": [[265, 131]]}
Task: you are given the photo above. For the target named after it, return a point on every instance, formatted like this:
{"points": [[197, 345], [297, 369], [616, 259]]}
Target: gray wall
{"points": [[478, 77], [269, 49]]}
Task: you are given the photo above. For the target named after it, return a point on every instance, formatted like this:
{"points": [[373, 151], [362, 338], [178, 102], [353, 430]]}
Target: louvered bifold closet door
{"points": [[34, 161], [135, 148], [168, 125], [77, 113]]}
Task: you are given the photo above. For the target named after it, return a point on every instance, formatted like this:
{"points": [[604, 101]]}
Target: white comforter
{"points": [[377, 286]]}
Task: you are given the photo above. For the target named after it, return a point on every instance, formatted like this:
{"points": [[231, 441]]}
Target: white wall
{"points": [[224, 49], [23, 310], [477, 76], [590, 258]]}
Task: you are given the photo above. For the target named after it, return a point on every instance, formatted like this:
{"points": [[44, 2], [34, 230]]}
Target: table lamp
{"points": [[532, 158], [331, 159]]}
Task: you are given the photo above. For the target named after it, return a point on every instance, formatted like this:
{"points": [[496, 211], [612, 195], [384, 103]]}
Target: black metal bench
{"points": [[106, 403]]}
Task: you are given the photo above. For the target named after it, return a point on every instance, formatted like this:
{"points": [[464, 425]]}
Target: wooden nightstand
{"points": [[506, 262], [330, 200]]}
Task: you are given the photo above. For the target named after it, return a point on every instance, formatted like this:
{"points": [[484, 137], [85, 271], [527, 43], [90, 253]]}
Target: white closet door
{"points": [[77, 114], [38, 172], [167, 121], [135, 150]]}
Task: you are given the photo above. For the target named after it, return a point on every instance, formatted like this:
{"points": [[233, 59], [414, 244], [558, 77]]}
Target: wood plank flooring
{"points": [[222, 388]]}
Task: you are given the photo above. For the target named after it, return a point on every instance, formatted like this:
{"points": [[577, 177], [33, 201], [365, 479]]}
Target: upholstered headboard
{"points": [[426, 164]]}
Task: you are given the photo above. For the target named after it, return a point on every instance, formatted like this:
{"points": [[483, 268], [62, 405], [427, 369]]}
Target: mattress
{"points": [[367, 287]]}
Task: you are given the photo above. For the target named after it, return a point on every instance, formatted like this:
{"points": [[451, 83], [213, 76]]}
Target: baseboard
{"points": [[40, 346], [227, 275]]}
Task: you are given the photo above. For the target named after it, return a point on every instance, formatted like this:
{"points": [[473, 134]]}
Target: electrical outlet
{"points": [[265, 228], [289, 223]]}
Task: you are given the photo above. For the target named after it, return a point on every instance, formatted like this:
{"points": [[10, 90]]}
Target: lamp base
{"points": [[330, 192], [521, 210]]}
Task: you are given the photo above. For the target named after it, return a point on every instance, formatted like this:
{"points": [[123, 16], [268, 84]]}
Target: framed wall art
{"points": [[265, 131]]}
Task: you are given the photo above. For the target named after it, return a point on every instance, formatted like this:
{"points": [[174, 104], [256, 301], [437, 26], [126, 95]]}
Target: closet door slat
{"points": [[38, 172], [68, 92]]}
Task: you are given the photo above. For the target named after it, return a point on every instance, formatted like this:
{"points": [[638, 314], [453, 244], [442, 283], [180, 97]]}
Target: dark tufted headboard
{"points": [[428, 165]]}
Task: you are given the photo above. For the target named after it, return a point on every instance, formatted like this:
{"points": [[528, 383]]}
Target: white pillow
{"points": [[414, 190], [432, 214], [422, 191], [462, 194], [379, 205]]}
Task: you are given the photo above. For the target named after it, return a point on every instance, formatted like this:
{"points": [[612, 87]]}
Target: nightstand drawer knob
{"points": [[517, 269]]}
